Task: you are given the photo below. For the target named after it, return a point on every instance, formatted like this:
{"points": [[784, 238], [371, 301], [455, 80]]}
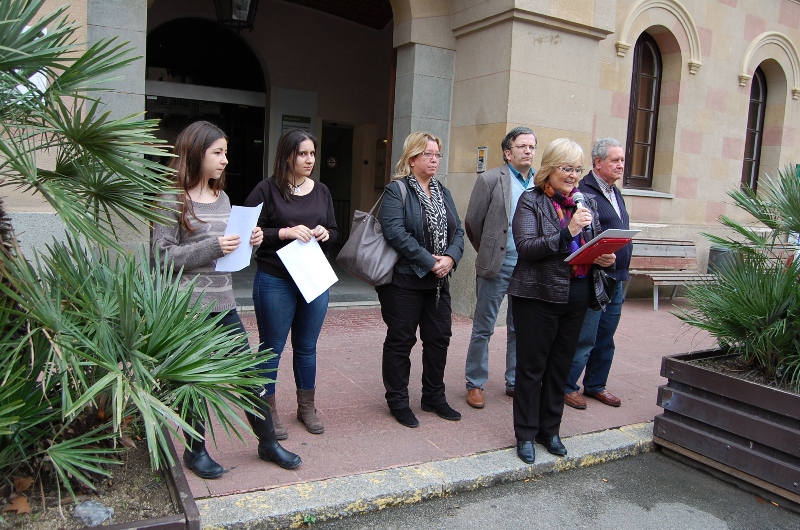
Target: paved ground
{"points": [[645, 492], [362, 437]]}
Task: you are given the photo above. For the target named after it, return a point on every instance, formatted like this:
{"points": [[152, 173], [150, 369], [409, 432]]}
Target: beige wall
{"points": [[562, 68], [558, 68]]}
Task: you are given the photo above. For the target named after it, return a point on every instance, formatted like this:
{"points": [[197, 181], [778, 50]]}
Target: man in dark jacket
{"points": [[596, 343]]}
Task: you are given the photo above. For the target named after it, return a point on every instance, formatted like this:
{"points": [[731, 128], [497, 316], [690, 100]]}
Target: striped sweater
{"points": [[197, 252]]}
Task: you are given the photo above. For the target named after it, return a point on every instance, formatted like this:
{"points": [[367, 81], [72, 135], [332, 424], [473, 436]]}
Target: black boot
{"points": [[197, 458], [268, 447]]}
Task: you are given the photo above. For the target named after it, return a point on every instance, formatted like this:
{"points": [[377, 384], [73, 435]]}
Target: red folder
{"points": [[606, 245]]}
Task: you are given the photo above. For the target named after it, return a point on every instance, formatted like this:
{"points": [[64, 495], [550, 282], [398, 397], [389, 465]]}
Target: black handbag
{"points": [[603, 287]]}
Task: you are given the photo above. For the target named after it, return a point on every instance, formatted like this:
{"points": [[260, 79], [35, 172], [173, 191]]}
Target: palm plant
{"points": [[753, 306], [90, 336]]}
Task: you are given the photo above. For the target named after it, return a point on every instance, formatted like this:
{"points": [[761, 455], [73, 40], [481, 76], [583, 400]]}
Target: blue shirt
{"points": [[517, 187]]}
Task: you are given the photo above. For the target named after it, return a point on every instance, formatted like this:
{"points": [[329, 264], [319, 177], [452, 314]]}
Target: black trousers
{"points": [[547, 337], [404, 310]]}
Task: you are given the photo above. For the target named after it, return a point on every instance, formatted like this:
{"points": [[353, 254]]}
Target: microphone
{"points": [[580, 202]]}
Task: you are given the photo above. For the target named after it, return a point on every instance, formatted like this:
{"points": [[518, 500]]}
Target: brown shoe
{"points": [[307, 413], [280, 430], [475, 398], [575, 400], [606, 398]]}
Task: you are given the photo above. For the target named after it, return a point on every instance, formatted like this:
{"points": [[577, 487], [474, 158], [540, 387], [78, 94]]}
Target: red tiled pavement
{"points": [[360, 435]]}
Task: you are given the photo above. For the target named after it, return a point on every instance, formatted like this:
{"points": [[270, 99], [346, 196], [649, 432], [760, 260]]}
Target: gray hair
{"points": [[512, 135], [601, 145]]}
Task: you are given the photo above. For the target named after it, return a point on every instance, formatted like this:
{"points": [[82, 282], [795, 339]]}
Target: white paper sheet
{"points": [[309, 267], [242, 221]]}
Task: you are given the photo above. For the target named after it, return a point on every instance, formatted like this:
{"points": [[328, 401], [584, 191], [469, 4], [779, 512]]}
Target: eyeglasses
{"points": [[428, 154], [570, 169], [524, 147]]}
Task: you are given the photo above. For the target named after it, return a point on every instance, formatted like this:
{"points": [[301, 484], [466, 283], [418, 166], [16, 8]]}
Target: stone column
{"points": [[423, 96]]}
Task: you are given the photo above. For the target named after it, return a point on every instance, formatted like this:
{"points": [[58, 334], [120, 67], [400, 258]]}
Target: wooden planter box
{"points": [[189, 517], [747, 430]]}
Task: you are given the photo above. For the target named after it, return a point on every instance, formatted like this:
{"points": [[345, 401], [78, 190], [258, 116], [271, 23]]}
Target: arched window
{"points": [[643, 113], [755, 130]]}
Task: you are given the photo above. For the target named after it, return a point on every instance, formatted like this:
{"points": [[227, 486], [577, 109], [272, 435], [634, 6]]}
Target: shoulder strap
{"points": [[403, 192]]}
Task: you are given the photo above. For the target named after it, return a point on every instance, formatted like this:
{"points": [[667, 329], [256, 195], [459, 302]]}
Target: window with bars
{"points": [[643, 113]]}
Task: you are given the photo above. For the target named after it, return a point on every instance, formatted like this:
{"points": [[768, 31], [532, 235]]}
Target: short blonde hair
{"points": [[414, 145], [559, 152]]}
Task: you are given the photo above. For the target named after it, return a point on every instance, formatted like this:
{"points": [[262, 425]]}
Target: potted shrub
{"points": [[737, 408], [91, 338]]}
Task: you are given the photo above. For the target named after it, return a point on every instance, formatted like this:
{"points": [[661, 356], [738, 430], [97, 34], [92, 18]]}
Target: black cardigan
{"points": [[610, 219]]}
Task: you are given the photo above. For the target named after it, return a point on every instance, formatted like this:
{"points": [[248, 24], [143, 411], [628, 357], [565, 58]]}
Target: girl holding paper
{"points": [[295, 207], [194, 240]]}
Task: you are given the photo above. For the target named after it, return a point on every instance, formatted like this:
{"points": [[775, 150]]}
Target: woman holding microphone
{"points": [[550, 294]]}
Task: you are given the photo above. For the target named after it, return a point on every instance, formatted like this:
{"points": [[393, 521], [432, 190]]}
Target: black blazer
{"points": [[610, 219], [541, 271]]}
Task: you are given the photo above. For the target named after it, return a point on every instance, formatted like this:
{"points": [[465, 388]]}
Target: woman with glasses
{"points": [[294, 207], [420, 221], [549, 293]]}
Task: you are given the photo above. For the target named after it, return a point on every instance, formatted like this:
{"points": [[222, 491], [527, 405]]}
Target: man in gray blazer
{"points": [[488, 226]]}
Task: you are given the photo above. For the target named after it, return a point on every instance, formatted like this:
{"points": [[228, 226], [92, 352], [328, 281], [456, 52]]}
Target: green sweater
{"points": [[197, 252]]}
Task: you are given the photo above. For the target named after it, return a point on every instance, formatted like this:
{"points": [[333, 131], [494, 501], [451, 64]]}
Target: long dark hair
{"points": [[285, 155], [190, 147]]}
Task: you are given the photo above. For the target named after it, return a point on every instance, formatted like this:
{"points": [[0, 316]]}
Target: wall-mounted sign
{"points": [[295, 122], [483, 154]]}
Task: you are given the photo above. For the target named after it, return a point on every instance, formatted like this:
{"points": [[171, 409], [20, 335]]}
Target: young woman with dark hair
{"points": [[194, 240], [295, 207]]}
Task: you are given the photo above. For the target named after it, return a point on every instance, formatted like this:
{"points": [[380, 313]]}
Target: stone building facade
{"points": [[706, 93]]}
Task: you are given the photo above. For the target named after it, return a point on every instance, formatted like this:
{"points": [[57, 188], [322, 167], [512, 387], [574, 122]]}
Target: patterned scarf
{"points": [[436, 216], [565, 207]]}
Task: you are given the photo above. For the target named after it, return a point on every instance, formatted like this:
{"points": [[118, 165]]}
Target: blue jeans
{"points": [[596, 347], [489, 293], [280, 307]]}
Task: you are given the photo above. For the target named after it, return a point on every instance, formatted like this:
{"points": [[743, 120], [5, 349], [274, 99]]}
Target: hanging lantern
{"points": [[236, 14]]}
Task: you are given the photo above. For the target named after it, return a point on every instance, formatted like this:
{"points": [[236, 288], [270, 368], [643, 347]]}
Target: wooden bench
{"points": [[666, 262]]}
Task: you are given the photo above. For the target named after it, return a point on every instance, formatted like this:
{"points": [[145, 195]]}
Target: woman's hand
{"points": [[228, 243], [443, 265], [605, 260], [301, 232], [321, 233], [256, 236], [582, 217]]}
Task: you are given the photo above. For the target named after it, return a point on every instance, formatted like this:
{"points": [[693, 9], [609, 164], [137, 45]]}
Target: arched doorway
{"points": [[197, 70]]}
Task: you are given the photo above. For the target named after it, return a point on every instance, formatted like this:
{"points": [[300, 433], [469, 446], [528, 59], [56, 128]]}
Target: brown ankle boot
{"points": [[307, 413], [280, 431]]}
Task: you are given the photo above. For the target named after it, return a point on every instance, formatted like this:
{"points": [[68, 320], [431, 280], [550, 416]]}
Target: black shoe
{"points": [[202, 464], [526, 452], [552, 444], [273, 452], [510, 391], [269, 450], [405, 417], [443, 410]]}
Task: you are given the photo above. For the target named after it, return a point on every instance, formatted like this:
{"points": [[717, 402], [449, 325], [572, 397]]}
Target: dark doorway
{"points": [[195, 51], [336, 171], [244, 126]]}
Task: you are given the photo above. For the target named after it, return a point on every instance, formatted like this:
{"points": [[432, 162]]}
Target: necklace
{"points": [[298, 186]]}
